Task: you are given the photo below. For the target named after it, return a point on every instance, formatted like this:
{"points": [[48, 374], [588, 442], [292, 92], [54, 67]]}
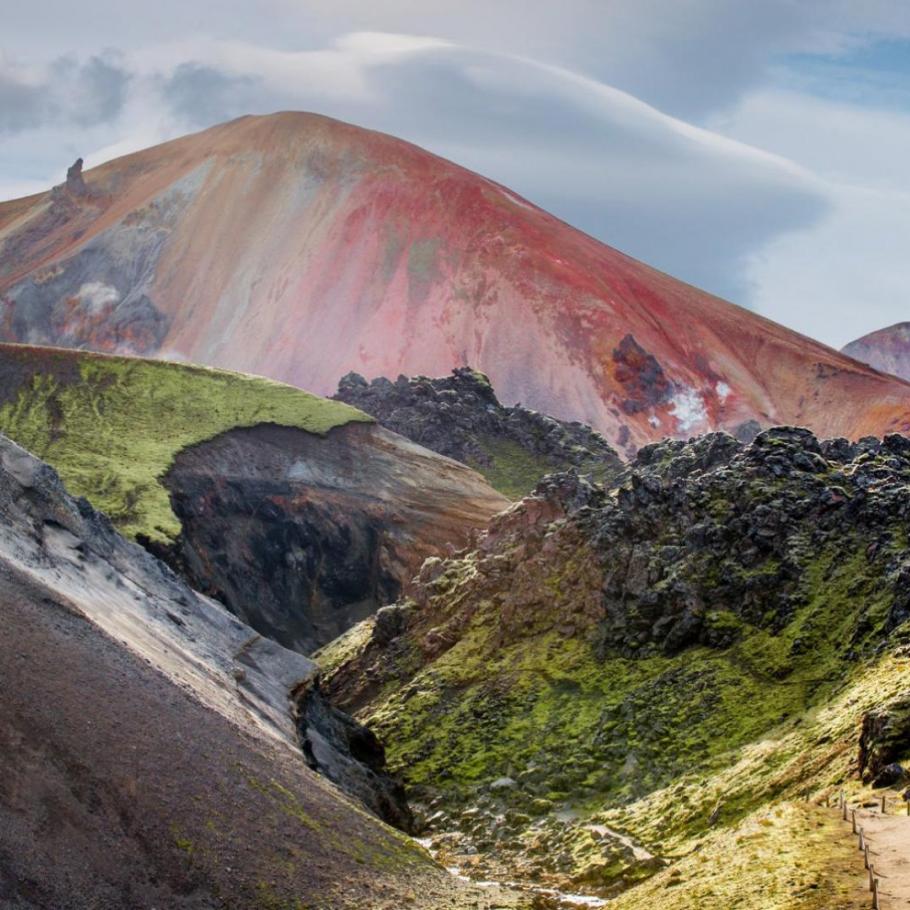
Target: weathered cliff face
{"points": [[460, 416], [297, 512], [300, 248], [304, 535], [124, 684], [661, 660]]}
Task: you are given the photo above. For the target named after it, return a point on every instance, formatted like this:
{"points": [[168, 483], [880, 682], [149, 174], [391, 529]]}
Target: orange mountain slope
{"points": [[300, 248]]}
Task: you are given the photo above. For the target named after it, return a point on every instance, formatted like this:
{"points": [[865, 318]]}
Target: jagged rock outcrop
{"points": [[885, 739], [608, 653], [75, 182], [460, 416]]}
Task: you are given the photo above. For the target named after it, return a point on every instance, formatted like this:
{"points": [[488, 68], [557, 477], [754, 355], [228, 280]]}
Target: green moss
{"points": [[345, 647], [664, 748], [514, 471], [114, 433]]}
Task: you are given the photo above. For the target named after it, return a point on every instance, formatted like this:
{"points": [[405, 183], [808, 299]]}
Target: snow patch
{"points": [[723, 391], [688, 407], [96, 295], [516, 200]]}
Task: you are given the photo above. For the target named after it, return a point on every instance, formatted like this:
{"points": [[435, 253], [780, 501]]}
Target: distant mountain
{"points": [[301, 248], [887, 350]]}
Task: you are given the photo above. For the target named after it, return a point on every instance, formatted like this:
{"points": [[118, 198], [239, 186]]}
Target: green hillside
{"points": [[111, 426], [615, 680]]}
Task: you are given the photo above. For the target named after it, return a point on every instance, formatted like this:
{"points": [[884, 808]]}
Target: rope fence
{"points": [[848, 813]]}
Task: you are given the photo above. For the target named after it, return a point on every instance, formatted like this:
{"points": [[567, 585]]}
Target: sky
{"points": [[760, 150]]}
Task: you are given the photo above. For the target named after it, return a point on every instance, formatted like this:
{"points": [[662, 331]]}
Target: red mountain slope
{"points": [[301, 248]]}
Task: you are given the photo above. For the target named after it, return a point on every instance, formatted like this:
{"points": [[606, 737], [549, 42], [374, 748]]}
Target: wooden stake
{"points": [[875, 903], [853, 819], [871, 876], [883, 803], [866, 855], [862, 840]]}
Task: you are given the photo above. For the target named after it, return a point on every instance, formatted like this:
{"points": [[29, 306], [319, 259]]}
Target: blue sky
{"points": [[759, 150]]}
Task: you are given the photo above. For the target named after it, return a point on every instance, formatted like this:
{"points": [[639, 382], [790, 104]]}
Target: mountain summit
{"points": [[303, 248]]}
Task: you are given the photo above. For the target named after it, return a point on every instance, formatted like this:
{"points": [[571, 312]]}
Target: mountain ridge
{"points": [[302, 248], [301, 514]]}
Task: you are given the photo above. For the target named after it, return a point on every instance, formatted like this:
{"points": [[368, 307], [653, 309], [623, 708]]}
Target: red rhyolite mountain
{"points": [[887, 349], [302, 248]]}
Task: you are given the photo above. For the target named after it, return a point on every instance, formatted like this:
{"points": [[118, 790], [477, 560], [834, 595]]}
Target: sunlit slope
{"points": [[301, 248]]}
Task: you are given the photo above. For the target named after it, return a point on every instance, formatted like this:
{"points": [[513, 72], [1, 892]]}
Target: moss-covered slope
{"points": [[662, 660], [111, 426]]}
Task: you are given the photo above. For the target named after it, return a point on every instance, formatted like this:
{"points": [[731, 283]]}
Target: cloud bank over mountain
{"points": [[643, 126]]}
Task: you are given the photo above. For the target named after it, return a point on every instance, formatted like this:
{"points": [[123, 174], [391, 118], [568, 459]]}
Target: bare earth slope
{"points": [[887, 349], [149, 751], [302, 248]]}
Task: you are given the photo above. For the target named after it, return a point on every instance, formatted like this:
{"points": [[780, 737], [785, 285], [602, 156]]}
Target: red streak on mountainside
{"points": [[300, 248]]}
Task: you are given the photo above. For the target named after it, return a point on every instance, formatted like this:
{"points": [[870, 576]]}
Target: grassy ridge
{"points": [[112, 426]]}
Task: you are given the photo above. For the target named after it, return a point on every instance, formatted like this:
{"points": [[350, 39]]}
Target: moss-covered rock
{"points": [[661, 661], [459, 416]]}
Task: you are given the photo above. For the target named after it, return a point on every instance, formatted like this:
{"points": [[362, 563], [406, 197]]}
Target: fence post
{"points": [[866, 855], [853, 819], [862, 840], [883, 803], [875, 903]]}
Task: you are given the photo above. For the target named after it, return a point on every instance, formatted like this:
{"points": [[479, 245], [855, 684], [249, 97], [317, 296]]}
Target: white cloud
{"points": [[845, 277], [15, 189], [849, 273], [650, 184]]}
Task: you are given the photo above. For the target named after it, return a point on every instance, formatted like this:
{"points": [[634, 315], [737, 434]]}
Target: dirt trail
{"points": [[888, 838]]}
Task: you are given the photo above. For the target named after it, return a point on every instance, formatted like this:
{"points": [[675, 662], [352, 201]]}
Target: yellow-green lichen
{"points": [[790, 856], [514, 471], [113, 425]]}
